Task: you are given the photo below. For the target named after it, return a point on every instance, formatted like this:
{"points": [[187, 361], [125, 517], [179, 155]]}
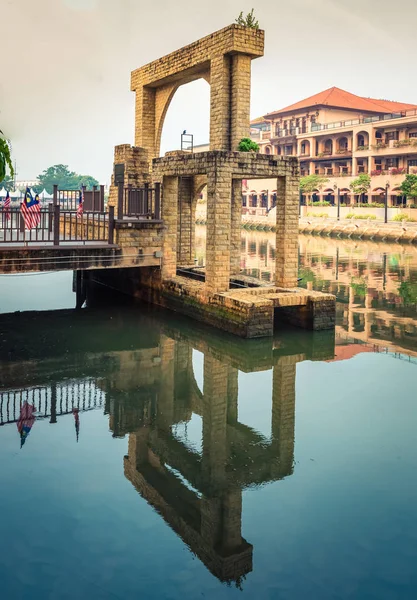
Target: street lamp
{"points": [[386, 202], [338, 200]]}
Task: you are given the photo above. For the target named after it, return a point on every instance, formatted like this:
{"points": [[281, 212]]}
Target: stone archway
{"points": [[224, 60]]}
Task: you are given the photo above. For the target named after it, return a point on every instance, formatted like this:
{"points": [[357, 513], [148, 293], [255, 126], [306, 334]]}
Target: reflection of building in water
{"points": [[375, 284], [199, 493]]}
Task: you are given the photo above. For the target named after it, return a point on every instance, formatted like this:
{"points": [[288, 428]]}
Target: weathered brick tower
{"points": [[224, 60]]}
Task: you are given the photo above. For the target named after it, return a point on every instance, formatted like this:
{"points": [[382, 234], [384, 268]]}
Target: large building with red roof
{"points": [[339, 135]]}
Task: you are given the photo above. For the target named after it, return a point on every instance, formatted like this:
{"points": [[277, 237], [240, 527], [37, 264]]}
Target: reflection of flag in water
{"points": [[6, 207], [26, 421], [30, 210], [76, 413]]}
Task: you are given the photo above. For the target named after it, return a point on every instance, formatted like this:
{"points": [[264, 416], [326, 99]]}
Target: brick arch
{"points": [[225, 58]]}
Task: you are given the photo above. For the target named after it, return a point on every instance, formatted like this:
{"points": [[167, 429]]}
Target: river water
{"points": [[144, 455]]}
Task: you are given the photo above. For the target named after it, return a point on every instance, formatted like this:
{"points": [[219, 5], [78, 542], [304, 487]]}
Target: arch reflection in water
{"points": [[140, 368], [199, 494]]}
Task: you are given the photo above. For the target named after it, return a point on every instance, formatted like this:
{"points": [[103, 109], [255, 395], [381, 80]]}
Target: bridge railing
{"points": [[139, 202], [56, 226], [68, 199], [51, 401]]}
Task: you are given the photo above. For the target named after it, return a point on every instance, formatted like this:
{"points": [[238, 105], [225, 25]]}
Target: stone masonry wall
{"points": [[224, 59]]}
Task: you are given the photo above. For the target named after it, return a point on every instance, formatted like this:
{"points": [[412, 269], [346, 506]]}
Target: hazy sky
{"points": [[65, 75]]}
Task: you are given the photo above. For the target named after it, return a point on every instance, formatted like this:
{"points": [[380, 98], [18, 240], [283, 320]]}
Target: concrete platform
{"points": [[249, 312]]}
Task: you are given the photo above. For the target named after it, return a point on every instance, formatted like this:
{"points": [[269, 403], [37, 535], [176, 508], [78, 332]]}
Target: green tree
{"points": [[248, 145], [65, 179], [409, 186], [88, 181], [361, 185], [309, 183], [5, 158], [248, 21], [8, 183]]}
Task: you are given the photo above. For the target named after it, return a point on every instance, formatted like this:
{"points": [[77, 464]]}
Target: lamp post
{"points": [[338, 200], [386, 202]]}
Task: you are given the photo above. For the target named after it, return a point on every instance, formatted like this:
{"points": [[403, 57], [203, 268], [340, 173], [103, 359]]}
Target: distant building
{"points": [[20, 184], [339, 135]]}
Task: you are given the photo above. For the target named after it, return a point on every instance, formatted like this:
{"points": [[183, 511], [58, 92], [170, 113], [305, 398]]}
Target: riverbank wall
{"points": [[366, 230]]}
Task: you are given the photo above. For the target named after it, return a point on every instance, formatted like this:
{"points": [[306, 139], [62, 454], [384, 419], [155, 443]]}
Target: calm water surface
{"points": [[145, 456]]}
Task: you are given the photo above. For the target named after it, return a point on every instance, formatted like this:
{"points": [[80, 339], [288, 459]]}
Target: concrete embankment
{"points": [[365, 230], [390, 232]]}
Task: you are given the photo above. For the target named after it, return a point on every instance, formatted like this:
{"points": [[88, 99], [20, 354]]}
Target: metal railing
{"points": [[56, 226], [51, 401], [139, 202], [372, 119], [69, 199]]}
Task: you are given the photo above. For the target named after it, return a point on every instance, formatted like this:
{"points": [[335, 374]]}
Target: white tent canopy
{"points": [[45, 195], [16, 194], [3, 192]]}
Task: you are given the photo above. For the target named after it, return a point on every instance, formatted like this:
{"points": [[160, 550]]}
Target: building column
{"points": [[283, 416], [170, 218], [240, 100], [165, 406], [219, 191], [185, 223], [215, 450], [220, 78], [232, 395], [236, 221], [145, 120], [286, 261]]}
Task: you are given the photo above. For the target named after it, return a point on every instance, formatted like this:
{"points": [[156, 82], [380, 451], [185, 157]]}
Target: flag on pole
{"points": [[25, 421], [30, 209], [80, 207], [6, 206], [76, 413]]}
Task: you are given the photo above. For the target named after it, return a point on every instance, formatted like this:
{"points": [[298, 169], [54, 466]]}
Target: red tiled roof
{"points": [[348, 351], [338, 98]]}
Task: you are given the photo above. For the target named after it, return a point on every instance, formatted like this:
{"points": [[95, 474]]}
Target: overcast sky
{"points": [[65, 75]]}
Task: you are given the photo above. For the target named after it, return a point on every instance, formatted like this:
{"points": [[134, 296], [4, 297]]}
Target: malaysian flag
{"points": [[6, 207], [30, 209], [80, 207]]}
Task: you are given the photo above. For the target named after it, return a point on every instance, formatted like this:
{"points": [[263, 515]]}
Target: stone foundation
{"points": [[247, 313]]}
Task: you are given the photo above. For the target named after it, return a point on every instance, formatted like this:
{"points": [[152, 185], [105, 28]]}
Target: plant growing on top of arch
{"points": [[248, 145], [5, 158], [248, 21]]}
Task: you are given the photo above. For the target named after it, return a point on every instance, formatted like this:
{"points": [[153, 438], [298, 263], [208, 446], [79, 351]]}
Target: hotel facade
{"points": [[338, 136]]}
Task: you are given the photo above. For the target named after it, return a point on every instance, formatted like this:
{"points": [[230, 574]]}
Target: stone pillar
{"points": [[215, 452], [220, 79], [165, 408], [286, 260], [236, 220], [145, 119], [137, 448], [232, 395], [283, 416], [170, 217], [219, 190], [240, 101], [232, 520], [185, 223]]}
